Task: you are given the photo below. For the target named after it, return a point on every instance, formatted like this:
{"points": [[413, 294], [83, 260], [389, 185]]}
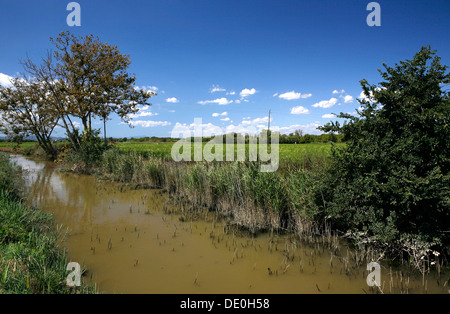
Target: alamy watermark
{"points": [[374, 277], [74, 277], [255, 141], [374, 17], [74, 17]]}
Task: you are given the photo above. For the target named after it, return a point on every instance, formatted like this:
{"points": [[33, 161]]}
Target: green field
{"points": [[12, 145], [288, 152], [292, 152]]}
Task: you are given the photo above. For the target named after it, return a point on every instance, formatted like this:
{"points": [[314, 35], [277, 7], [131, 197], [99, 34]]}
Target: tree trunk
{"points": [[104, 129]]}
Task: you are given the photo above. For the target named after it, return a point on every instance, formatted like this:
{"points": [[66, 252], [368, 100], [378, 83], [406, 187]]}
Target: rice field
{"points": [[12, 145], [288, 152]]}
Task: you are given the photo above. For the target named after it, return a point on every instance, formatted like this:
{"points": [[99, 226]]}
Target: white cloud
{"points": [[310, 128], [171, 110], [293, 95], [149, 89], [231, 93], [220, 101], [329, 116], [225, 119], [257, 121], [348, 99], [216, 88], [223, 114], [338, 92], [362, 96], [149, 124], [146, 114], [196, 129], [299, 110], [172, 100], [247, 92], [143, 112], [5, 80], [326, 103], [152, 88]]}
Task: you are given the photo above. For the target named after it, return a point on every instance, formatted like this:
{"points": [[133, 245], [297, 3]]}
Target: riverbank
{"points": [[290, 200], [32, 259], [134, 240]]}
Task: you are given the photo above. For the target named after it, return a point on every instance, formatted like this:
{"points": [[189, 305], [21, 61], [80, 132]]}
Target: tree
{"points": [[24, 111], [392, 179], [87, 79]]}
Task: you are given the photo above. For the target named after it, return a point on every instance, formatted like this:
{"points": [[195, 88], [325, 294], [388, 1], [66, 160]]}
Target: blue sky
{"points": [[229, 62]]}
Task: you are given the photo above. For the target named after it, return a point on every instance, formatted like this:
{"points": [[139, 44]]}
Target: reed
{"points": [[31, 257]]}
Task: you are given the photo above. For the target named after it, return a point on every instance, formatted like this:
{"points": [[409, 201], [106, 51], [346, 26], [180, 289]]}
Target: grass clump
{"points": [[31, 258]]}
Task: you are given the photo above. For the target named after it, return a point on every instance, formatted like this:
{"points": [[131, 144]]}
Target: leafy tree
{"points": [[24, 111], [86, 79], [392, 178]]}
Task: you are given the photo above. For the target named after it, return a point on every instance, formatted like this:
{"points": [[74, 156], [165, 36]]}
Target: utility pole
{"points": [[268, 127]]}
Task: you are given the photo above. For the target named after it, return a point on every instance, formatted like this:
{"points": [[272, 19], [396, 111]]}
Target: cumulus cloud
{"points": [[310, 128], [172, 100], [149, 124], [5, 80], [143, 112], [329, 116], [216, 88], [196, 129], [225, 119], [247, 92], [220, 101], [362, 96], [223, 114], [149, 89], [257, 121], [299, 110], [293, 95], [348, 99], [326, 103], [338, 92]]}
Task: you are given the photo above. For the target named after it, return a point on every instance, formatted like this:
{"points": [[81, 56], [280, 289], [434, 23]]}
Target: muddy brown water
{"points": [[129, 244]]}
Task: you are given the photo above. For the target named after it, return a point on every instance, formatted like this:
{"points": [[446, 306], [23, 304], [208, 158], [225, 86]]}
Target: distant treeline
{"points": [[12, 140], [293, 138]]}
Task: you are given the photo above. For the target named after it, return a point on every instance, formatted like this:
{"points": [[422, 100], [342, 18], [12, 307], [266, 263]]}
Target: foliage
{"points": [[31, 259], [84, 78], [89, 154], [23, 112], [392, 178]]}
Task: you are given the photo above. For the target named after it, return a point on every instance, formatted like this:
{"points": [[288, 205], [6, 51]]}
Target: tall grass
{"points": [[297, 153], [252, 199], [31, 257]]}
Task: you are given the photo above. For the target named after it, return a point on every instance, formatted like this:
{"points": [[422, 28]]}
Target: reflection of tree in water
{"points": [[69, 197], [77, 201]]}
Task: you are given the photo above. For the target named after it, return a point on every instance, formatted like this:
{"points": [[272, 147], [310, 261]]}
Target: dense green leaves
{"points": [[392, 178]]}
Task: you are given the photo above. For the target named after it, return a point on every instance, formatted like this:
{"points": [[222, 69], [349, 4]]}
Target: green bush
{"points": [[392, 179]]}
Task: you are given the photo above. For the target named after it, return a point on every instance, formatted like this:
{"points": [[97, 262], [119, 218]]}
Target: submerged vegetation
{"points": [[31, 257]]}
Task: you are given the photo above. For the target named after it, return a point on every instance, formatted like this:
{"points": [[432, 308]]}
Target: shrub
{"points": [[392, 178]]}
